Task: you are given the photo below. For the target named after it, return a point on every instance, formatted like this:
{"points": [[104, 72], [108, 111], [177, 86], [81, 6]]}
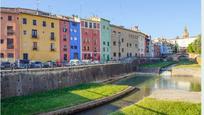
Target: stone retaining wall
{"points": [[26, 83], [148, 70], [189, 72]]}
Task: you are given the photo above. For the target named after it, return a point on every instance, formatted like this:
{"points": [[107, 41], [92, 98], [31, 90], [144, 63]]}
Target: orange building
{"points": [[9, 47]]}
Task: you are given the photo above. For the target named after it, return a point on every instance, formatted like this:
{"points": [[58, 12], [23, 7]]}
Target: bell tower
{"points": [[185, 33]]}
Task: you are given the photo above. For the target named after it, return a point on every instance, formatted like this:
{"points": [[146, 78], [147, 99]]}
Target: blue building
{"points": [[75, 39]]}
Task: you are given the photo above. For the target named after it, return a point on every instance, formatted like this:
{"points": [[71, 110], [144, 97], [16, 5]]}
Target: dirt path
{"points": [[177, 95]]}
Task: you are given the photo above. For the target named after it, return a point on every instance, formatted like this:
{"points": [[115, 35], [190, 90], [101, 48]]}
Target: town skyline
{"points": [[188, 16]]}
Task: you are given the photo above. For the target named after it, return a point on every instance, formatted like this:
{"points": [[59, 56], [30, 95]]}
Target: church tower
{"points": [[185, 33]]}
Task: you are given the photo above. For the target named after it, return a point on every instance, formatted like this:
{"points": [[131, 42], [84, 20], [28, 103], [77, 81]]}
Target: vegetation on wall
{"points": [[195, 47]]}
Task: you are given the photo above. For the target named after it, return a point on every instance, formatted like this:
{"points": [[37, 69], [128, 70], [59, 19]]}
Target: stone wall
{"points": [[188, 72], [25, 83], [18, 84]]}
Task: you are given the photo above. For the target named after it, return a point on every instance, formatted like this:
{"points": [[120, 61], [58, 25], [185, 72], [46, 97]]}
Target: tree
{"points": [[195, 47]]}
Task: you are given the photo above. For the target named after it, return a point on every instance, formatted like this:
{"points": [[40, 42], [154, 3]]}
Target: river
{"points": [[147, 85]]}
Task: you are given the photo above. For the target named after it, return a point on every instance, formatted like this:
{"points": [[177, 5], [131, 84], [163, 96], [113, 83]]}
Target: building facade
{"points": [[39, 37], [126, 43], [64, 40], [10, 38], [75, 38], [90, 39]]}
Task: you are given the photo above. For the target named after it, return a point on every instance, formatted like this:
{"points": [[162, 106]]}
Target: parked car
{"points": [[86, 62], [36, 64], [75, 62], [21, 64], [5, 65], [95, 62]]}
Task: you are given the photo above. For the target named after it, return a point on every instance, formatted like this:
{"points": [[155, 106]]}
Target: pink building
{"points": [[90, 39], [64, 40], [10, 38]]}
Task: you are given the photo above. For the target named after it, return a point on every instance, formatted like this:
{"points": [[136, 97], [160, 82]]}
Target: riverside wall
{"points": [[26, 83]]}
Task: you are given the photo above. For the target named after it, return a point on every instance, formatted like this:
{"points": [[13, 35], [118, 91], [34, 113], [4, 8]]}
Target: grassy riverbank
{"points": [[151, 106], [52, 100], [187, 64], [158, 64]]}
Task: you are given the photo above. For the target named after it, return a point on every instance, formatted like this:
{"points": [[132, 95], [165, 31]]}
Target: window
{"points": [[71, 30], [114, 32], [114, 43], [74, 24], [75, 47], [2, 18], [86, 24], [10, 30], [94, 24], [52, 25], [34, 33], [127, 54], [104, 43], [90, 25], [71, 38], [122, 49], [107, 43], [52, 36], [127, 44], [75, 38], [24, 32], [65, 38], [119, 54], [64, 29], [65, 57], [10, 55], [2, 41], [34, 22], [122, 40], [104, 27], [9, 18], [65, 48], [35, 45], [10, 43], [25, 56], [88, 48], [114, 54], [72, 47], [52, 47], [24, 21], [84, 48], [130, 45], [75, 30], [2, 55], [104, 49], [44, 23]]}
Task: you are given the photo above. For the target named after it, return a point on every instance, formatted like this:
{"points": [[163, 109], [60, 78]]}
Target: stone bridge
{"points": [[175, 57]]}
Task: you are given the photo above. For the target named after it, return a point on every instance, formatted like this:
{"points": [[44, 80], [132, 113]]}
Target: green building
{"points": [[105, 40]]}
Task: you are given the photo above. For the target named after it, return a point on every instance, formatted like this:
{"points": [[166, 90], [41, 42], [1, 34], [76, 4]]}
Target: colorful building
{"points": [[105, 38], [75, 38], [90, 39], [64, 39], [39, 36], [10, 38]]}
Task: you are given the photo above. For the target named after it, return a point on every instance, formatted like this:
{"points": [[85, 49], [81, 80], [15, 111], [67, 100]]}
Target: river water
{"points": [[147, 85]]}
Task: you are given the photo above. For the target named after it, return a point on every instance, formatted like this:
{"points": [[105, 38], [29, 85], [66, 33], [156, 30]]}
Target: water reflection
{"points": [[147, 85]]}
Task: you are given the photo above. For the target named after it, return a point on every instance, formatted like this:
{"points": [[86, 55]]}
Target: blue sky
{"points": [[155, 17]]}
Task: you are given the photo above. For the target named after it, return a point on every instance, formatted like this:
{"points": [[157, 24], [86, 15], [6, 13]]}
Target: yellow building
{"points": [[39, 37]]}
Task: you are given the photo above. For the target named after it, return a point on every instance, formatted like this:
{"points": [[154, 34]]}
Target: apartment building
{"points": [[126, 42], [10, 38], [90, 39]]}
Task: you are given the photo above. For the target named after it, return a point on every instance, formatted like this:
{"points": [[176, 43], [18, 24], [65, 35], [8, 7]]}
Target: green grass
{"points": [[187, 64], [158, 64], [55, 99], [150, 106]]}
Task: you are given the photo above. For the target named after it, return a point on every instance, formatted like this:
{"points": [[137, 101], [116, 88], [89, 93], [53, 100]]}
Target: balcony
{"points": [[52, 38], [35, 48], [10, 47], [34, 36], [65, 49], [10, 32], [52, 49]]}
